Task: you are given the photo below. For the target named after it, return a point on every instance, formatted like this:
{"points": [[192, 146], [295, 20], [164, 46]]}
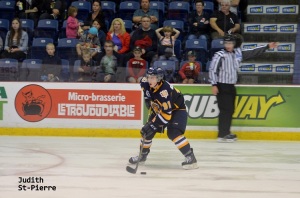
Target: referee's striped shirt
{"points": [[224, 65]]}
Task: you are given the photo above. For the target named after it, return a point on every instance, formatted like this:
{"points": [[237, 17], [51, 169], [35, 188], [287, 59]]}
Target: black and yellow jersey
{"points": [[164, 100]]}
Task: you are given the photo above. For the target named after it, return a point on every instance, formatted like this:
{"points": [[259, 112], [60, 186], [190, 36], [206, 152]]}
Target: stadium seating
{"points": [[28, 26], [31, 70], [169, 68], [179, 25], [84, 8], [62, 32], [109, 10], [128, 25], [160, 7], [7, 10], [200, 47], [127, 8], [65, 70], [178, 10], [9, 70], [216, 45], [47, 28], [66, 49], [209, 7], [38, 48]]}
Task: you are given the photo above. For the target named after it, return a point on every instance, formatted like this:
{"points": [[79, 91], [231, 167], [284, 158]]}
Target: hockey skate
{"points": [[228, 139], [190, 161], [134, 160]]}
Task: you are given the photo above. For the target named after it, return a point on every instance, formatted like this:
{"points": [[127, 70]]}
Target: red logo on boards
{"points": [[33, 103]]}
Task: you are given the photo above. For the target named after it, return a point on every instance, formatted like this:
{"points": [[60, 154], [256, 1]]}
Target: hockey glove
{"points": [[148, 129]]}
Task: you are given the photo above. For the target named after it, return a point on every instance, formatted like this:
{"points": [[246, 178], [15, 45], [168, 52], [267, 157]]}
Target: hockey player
{"points": [[167, 111]]}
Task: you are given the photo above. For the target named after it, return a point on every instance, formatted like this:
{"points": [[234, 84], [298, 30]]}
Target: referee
{"points": [[223, 76]]}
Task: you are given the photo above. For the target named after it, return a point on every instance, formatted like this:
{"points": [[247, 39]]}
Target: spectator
{"points": [[54, 9], [145, 10], [108, 61], [86, 66], [199, 22], [73, 29], [234, 4], [101, 35], [166, 41], [224, 22], [117, 33], [89, 41], [16, 42], [26, 9], [189, 72], [144, 38], [136, 66], [51, 65], [96, 14]]}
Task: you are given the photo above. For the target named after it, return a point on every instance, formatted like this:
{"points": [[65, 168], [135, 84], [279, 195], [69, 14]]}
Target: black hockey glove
{"points": [[148, 129]]}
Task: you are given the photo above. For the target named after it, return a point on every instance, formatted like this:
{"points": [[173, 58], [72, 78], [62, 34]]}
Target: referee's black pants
{"points": [[226, 100]]}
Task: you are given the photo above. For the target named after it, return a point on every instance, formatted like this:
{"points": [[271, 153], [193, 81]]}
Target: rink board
{"points": [[117, 110]]}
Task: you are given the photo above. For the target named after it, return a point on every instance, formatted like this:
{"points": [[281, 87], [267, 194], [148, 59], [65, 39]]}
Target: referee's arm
{"points": [[213, 69]]}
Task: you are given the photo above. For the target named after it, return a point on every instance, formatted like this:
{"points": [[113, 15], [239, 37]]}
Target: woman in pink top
{"points": [[72, 23]]}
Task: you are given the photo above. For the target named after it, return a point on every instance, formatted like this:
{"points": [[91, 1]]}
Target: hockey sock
{"points": [[147, 145], [182, 144]]}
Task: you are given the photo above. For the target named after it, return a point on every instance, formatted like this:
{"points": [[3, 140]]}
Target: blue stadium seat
{"points": [[62, 32], [77, 64], [160, 7], [31, 70], [28, 26], [47, 28], [38, 48], [66, 49], [169, 68], [200, 47], [179, 25], [216, 45], [4, 27], [7, 10], [127, 8], [208, 65], [84, 8], [179, 10], [65, 70], [128, 25], [208, 7], [109, 10], [9, 70], [177, 49]]}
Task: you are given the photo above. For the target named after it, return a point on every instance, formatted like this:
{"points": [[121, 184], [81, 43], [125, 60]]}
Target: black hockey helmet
{"points": [[229, 38], [158, 72]]}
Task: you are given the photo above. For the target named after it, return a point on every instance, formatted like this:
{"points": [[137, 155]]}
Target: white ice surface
{"points": [[95, 168]]}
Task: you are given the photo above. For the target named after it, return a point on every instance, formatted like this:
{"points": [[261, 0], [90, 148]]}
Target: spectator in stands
{"points": [[144, 38], [86, 66], [224, 22], [117, 33], [166, 40], [137, 66], [199, 22], [89, 41], [96, 14], [234, 4], [145, 10], [189, 72], [16, 42], [26, 9], [108, 61], [51, 65], [54, 9], [101, 35], [73, 29]]}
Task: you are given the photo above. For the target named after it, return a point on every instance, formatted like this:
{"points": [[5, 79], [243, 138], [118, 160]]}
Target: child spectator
{"points": [[51, 65], [86, 63], [73, 29], [89, 41], [136, 66], [101, 35], [190, 70], [167, 40]]}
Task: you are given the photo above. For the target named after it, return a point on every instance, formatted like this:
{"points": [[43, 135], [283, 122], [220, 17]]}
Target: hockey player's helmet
{"points": [[158, 72]]}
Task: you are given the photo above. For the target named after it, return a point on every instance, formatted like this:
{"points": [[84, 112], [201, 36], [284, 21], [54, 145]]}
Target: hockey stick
{"points": [[133, 170]]}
